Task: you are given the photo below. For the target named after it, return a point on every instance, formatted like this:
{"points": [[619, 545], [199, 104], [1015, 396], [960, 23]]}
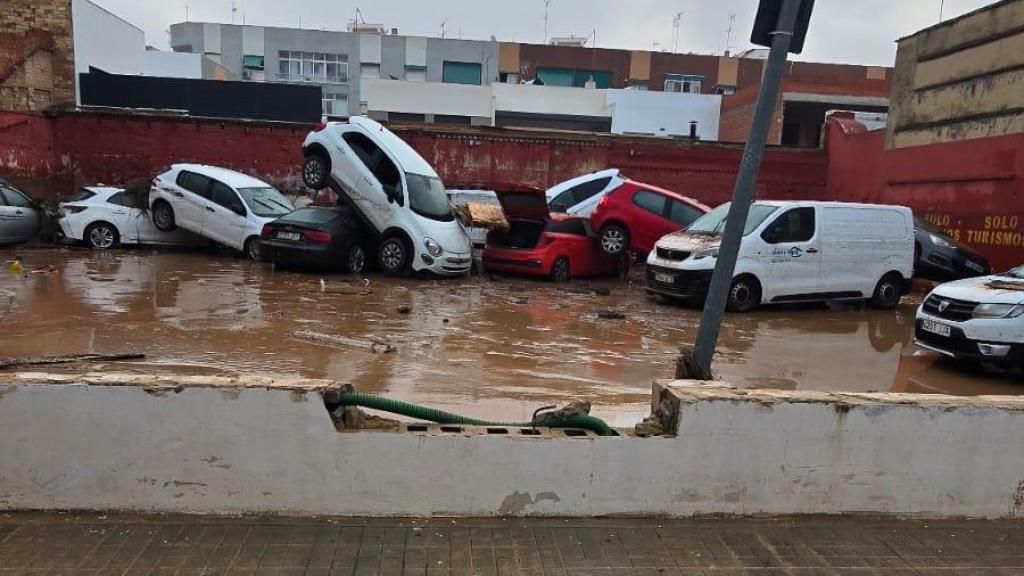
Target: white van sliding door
{"points": [[791, 254]]}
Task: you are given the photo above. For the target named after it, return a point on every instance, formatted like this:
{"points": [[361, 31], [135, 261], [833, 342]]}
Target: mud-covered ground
{"points": [[490, 347]]}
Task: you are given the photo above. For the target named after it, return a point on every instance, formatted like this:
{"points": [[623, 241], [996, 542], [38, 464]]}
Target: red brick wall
{"points": [[21, 20]]}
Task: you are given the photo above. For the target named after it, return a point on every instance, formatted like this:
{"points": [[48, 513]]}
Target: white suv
{"points": [[394, 190], [980, 319], [225, 206]]}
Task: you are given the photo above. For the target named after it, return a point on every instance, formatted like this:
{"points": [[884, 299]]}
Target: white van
{"points": [[394, 190], [793, 252]]}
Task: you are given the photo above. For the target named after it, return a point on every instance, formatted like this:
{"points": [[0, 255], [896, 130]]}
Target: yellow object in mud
{"points": [[15, 267]]}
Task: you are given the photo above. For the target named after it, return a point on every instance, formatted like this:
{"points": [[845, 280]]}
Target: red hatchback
{"points": [[541, 244], [634, 216]]}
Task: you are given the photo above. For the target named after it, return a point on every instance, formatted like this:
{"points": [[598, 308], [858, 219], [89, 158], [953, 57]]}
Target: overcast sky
{"points": [[849, 31]]}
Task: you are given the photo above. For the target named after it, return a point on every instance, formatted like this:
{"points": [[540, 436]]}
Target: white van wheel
{"points": [[744, 294], [887, 293]]}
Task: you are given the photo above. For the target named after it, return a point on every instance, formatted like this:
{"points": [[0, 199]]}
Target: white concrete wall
{"points": [[550, 100], [105, 41], [173, 64], [273, 448], [664, 113], [427, 98]]}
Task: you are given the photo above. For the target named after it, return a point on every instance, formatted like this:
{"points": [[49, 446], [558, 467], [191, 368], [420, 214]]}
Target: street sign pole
{"points": [[743, 192]]}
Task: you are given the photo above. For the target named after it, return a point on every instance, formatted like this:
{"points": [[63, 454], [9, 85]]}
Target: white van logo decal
{"points": [[796, 252]]}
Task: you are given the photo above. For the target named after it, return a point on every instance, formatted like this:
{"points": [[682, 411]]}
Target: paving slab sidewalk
{"points": [[99, 544]]}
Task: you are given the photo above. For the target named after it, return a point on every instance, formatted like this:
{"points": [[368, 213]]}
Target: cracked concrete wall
{"points": [[231, 447]]}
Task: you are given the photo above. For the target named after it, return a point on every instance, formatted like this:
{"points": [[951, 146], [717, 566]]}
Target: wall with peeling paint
{"points": [[106, 444]]}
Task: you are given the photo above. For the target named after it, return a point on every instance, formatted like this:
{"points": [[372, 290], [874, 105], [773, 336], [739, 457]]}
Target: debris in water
{"points": [[370, 345], [611, 315], [404, 309]]}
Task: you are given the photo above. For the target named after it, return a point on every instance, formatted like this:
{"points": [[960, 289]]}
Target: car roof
{"points": [[408, 159], [784, 203], [566, 184], [669, 193], [229, 177]]}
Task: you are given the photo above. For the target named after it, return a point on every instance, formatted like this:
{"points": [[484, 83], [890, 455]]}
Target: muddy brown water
{"points": [[495, 348]]}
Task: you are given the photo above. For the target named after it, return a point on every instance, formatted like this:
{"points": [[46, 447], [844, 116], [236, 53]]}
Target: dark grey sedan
{"points": [[19, 215]]}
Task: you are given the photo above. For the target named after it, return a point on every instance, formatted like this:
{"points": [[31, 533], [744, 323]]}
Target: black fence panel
{"points": [[209, 98]]}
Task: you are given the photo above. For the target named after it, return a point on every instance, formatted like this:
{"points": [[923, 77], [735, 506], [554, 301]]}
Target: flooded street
{"points": [[491, 348]]}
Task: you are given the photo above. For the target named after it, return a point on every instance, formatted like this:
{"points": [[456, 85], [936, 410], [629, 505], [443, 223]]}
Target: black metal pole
{"points": [[743, 193]]}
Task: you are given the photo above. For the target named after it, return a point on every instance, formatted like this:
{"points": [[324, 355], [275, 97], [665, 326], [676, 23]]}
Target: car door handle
{"points": [[18, 212], [210, 209], [812, 250]]}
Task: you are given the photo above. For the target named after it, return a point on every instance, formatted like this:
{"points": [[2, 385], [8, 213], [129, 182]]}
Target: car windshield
{"points": [[713, 223], [1017, 273], [428, 198], [266, 201]]}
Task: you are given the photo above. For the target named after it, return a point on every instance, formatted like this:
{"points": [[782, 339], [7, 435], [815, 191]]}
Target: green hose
{"points": [[581, 421]]}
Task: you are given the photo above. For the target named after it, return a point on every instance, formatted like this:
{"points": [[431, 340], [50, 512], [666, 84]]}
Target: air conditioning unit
{"points": [[246, 74]]}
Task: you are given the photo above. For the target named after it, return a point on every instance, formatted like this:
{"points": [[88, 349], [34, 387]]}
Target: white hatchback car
{"points": [[977, 319], [103, 217], [394, 190], [580, 195], [225, 206]]}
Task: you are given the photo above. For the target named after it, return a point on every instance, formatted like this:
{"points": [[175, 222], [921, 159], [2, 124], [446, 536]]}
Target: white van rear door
{"points": [[790, 252]]}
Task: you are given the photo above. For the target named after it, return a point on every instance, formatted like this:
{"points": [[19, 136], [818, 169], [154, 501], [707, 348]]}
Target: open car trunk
{"points": [[522, 234]]}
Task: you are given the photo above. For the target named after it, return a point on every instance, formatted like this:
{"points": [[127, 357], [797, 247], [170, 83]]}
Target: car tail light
{"points": [[546, 239], [266, 231], [320, 126], [317, 236]]}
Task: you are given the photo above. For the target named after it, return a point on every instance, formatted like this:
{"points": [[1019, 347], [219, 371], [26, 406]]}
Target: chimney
{"points": [[693, 130]]}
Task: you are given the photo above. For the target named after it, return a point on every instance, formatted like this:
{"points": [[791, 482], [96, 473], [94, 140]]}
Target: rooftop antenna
{"points": [[675, 30], [547, 10], [233, 10], [186, 12], [728, 33], [443, 23], [359, 17], [942, 7]]}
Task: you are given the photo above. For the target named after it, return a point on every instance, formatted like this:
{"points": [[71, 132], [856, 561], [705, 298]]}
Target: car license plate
{"points": [[666, 278], [289, 235], [935, 328]]}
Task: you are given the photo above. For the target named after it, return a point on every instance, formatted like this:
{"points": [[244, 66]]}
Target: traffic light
{"points": [[768, 18]]}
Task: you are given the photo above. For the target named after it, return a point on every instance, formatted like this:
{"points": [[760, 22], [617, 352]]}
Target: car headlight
{"points": [[706, 253], [433, 248], [999, 310], [940, 241]]}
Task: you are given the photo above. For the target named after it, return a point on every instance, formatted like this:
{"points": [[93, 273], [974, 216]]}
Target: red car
{"points": [[541, 244], [634, 216]]}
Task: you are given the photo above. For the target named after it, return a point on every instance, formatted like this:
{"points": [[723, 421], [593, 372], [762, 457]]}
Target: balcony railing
{"points": [[282, 77]]}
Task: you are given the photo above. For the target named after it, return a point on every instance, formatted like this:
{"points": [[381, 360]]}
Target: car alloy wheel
{"points": [[560, 270], [314, 172], [356, 260], [613, 240], [102, 236], [253, 249], [163, 217], [393, 256]]}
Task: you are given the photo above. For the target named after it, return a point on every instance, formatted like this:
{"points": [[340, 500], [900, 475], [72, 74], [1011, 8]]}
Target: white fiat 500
{"points": [[979, 319], [225, 206], [394, 190], [102, 217]]}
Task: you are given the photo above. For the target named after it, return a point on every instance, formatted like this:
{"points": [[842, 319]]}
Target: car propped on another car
{"points": [[793, 252], [579, 196], [103, 217], [225, 206], [394, 190], [542, 244], [633, 216], [976, 319], [319, 238]]}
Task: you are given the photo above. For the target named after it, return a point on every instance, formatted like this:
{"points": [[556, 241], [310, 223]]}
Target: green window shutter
{"points": [[462, 73], [602, 78], [555, 76]]}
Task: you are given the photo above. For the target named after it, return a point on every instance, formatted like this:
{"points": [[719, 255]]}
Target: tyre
{"points": [[744, 295], [315, 171], [253, 249], [393, 256], [559, 270], [614, 240], [355, 262], [888, 292], [163, 216], [102, 236]]}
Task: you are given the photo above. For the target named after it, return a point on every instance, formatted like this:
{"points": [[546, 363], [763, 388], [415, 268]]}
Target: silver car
{"points": [[19, 216]]}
